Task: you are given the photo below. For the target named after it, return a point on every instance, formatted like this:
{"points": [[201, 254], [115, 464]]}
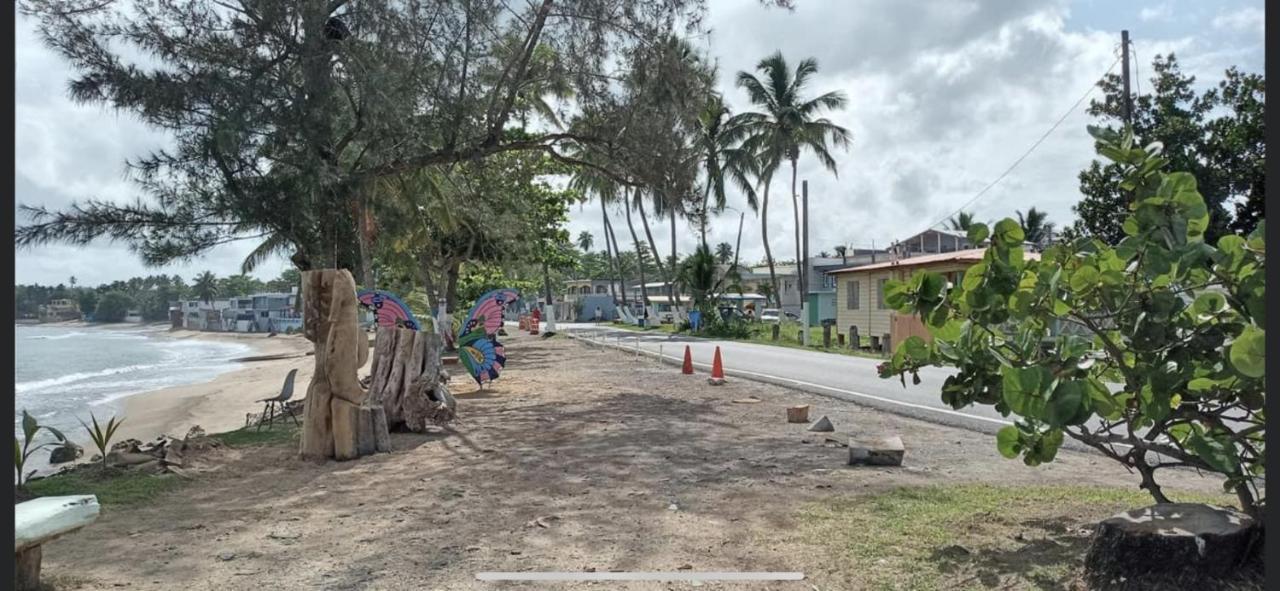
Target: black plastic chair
{"points": [[286, 392]]}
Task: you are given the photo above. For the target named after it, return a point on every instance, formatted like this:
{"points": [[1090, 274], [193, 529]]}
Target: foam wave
{"points": [[56, 337], [76, 377]]}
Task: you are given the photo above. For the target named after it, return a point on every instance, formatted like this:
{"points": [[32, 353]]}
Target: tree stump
{"points": [[855, 342], [776, 330], [826, 336], [1173, 546], [798, 414], [407, 381], [336, 422]]}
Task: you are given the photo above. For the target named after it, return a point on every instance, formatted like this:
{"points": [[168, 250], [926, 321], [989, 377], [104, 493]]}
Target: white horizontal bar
{"points": [[640, 576]]}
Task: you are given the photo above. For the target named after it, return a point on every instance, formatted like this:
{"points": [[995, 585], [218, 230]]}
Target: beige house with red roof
{"points": [[860, 294]]}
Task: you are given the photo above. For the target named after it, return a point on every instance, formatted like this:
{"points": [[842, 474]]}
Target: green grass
{"points": [[279, 434], [968, 536], [113, 487]]}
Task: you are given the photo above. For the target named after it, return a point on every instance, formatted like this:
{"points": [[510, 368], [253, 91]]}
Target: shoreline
{"points": [[219, 404]]}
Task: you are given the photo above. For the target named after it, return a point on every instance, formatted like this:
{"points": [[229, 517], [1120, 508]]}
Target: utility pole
{"points": [[804, 264], [1124, 75]]}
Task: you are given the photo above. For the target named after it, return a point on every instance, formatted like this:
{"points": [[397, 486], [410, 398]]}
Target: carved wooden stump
{"points": [[337, 421], [407, 384]]}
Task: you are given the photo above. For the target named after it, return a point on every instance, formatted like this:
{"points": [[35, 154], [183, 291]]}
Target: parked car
{"points": [[770, 315]]}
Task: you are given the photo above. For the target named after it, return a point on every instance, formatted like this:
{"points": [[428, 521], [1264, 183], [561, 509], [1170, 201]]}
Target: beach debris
{"points": [[67, 452], [878, 451], [748, 400], [798, 414], [822, 425], [226, 556]]}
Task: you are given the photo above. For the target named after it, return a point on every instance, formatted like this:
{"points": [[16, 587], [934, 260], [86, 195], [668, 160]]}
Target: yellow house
{"points": [[860, 295]]}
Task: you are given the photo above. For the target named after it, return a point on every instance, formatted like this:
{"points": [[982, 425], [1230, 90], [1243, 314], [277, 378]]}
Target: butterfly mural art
{"points": [[478, 347], [388, 310]]}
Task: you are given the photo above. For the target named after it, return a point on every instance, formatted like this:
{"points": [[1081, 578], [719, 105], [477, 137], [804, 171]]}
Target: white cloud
{"points": [[1248, 19], [1159, 12]]}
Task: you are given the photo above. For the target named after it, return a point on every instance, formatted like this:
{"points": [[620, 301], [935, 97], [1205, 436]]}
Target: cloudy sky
{"points": [[943, 97]]}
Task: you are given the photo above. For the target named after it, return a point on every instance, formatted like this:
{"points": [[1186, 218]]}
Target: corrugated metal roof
{"points": [[971, 255]]}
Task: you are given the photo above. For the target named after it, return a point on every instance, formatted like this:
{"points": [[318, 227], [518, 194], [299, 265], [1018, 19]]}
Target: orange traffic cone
{"points": [[717, 370], [688, 361]]}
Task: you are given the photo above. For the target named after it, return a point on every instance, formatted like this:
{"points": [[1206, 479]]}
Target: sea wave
{"points": [[55, 337], [70, 378]]}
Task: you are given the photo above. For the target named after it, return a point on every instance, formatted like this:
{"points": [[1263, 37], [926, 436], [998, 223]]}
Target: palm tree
{"points": [[719, 138], [627, 194], [205, 286], [842, 251], [961, 222], [788, 125], [724, 253], [1036, 227], [590, 182], [585, 240], [824, 255]]}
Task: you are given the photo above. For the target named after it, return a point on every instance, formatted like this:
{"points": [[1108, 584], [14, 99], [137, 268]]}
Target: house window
{"points": [[602, 289], [880, 293], [852, 302], [786, 286], [829, 281]]}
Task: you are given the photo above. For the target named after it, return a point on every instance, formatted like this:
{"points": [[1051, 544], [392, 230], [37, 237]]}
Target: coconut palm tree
{"points": [[1036, 227], [585, 241], [205, 286], [719, 139], [724, 253], [589, 182], [786, 125], [961, 222]]}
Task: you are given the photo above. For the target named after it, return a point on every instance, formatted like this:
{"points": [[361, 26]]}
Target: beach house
{"points": [[861, 308], [59, 310]]}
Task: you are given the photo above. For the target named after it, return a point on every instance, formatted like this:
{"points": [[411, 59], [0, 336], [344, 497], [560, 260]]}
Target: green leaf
{"points": [[29, 425], [1022, 387], [1008, 441], [948, 331], [974, 276], [1248, 352], [1083, 279], [1201, 385], [977, 233], [917, 349], [1009, 232], [1106, 404], [1130, 226], [1208, 303], [1067, 405], [1221, 457]]}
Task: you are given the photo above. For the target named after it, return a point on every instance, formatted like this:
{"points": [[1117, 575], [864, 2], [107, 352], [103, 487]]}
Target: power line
{"points": [[1035, 145]]}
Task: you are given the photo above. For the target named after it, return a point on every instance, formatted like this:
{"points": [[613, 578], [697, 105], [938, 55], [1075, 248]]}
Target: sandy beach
{"points": [[221, 404]]}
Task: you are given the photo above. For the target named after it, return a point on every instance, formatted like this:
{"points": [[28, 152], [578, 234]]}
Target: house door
{"points": [[902, 326]]}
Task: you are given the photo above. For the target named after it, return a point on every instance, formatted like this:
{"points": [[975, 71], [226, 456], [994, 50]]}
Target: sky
{"points": [[943, 96]]}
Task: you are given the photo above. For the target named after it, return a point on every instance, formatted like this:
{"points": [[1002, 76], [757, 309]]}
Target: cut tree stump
{"points": [[1174, 546], [879, 451], [798, 414]]}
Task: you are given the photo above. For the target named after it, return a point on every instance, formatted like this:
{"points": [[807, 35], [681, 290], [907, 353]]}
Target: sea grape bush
{"points": [[1150, 350]]}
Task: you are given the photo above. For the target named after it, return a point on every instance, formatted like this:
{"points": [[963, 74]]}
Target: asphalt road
{"points": [[839, 376]]}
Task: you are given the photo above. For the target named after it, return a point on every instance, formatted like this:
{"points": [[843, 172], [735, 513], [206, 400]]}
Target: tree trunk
{"points": [[546, 282], [1175, 546], [428, 281], [768, 253], [706, 194], [644, 293], [675, 261], [608, 251], [653, 246], [617, 255], [364, 238], [451, 286], [795, 207]]}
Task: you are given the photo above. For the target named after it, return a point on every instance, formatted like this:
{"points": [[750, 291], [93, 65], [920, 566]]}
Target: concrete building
{"points": [[60, 310]]}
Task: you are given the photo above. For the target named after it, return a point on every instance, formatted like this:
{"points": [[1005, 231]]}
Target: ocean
{"points": [[63, 373]]}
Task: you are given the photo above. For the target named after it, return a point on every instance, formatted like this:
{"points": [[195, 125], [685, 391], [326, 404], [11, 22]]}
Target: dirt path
{"points": [[577, 458]]}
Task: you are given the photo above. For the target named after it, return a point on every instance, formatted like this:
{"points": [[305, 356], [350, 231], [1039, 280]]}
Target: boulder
{"points": [[822, 425], [879, 451], [67, 452], [1175, 546]]}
